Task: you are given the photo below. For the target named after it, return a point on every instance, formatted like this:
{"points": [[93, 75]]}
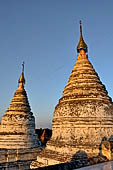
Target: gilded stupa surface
{"points": [[84, 115], [17, 129]]}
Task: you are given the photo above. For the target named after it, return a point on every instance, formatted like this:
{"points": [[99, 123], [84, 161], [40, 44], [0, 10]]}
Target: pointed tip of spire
{"points": [[80, 27], [81, 44], [23, 66], [21, 80]]}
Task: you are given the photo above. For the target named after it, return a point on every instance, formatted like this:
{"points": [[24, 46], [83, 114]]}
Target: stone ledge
{"points": [[70, 165]]}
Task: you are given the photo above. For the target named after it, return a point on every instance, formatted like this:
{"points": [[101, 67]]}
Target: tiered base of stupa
{"points": [[78, 135], [17, 131]]}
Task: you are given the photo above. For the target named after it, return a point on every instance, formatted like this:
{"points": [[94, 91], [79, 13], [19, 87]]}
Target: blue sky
{"points": [[44, 34]]}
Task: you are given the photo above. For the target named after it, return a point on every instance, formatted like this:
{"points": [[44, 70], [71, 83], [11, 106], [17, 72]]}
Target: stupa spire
{"points": [[21, 80], [81, 44]]}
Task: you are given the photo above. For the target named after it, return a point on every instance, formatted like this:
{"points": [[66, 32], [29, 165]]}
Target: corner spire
{"points": [[21, 80], [81, 44]]}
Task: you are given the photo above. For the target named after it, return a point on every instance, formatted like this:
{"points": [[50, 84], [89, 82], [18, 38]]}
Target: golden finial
{"points": [[81, 44], [22, 79]]}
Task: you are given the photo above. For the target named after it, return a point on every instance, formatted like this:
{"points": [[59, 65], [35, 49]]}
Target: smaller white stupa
{"points": [[17, 129]]}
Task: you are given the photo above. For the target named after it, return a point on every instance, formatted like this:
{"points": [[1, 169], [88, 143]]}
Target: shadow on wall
{"points": [[80, 155], [100, 146]]}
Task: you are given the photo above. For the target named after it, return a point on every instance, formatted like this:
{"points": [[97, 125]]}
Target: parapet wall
{"points": [[75, 164], [17, 157]]}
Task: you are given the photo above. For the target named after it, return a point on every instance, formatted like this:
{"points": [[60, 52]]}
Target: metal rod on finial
{"points": [[23, 66], [80, 26]]}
